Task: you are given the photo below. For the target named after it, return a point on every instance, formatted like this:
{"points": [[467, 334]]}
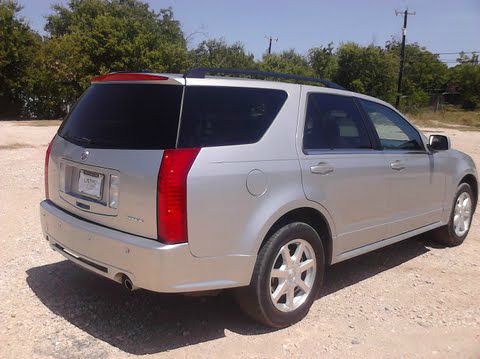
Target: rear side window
{"points": [[127, 116], [220, 116], [334, 122]]}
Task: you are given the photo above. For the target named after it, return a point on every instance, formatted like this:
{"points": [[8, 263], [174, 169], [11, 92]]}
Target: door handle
{"points": [[322, 168], [397, 165]]}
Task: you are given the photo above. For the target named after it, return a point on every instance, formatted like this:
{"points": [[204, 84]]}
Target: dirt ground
{"points": [[412, 299]]}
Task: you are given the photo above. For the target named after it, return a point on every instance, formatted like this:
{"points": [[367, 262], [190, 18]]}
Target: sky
{"points": [[440, 25]]}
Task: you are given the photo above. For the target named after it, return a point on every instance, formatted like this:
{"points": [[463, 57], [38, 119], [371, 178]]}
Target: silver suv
{"points": [[184, 183]]}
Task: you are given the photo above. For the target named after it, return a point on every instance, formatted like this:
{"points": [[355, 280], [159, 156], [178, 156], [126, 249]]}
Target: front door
{"points": [[342, 171], [416, 185]]}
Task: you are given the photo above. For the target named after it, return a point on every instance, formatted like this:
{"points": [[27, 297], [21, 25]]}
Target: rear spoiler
{"points": [[137, 77]]}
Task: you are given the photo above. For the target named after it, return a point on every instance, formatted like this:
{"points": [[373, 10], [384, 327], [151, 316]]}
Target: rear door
{"points": [[342, 171], [416, 185], [105, 160]]}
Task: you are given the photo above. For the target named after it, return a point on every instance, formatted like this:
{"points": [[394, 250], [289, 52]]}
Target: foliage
{"points": [[18, 46], [287, 62], [463, 58], [91, 37], [424, 73], [216, 53], [323, 61], [466, 78], [370, 70], [43, 76]]}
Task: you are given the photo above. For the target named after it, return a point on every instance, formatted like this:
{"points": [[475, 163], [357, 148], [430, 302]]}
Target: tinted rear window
{"points": [[219, 116], [127, 116], [333, 122]]}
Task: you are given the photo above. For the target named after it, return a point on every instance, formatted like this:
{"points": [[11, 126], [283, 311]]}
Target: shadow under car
{"points": [[144, 322]]}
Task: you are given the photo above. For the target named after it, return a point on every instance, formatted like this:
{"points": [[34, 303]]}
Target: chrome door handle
{"points": [[322, 168], [397, 165]]}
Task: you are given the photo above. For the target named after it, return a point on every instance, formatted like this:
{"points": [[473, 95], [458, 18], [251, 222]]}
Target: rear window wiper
{"points": [[93, 142], [80, 139]]}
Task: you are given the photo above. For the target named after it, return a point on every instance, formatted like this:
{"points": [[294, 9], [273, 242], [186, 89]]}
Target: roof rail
{"points": [[201, 72]]}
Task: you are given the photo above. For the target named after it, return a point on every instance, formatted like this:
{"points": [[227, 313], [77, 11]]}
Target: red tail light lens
{"points": [[47, 158], [172, 194]]}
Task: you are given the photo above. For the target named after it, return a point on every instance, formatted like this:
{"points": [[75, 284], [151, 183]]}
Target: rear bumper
{"points": [[149, 264]]}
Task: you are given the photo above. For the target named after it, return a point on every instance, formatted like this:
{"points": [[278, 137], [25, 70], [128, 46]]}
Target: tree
{"points": [[424, 74], [91, 37], [370, 70], [18, 47], [463, 58], [466, 78], [323, 61], [287, 62], [216, 53]]}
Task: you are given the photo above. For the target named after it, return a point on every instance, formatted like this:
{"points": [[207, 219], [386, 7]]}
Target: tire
{"points": [[257, 300], [450, 235]]}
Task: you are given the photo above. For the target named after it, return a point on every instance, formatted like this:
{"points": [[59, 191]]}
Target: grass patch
{"points": [[39, 123], [15, 146], [448, 117]]}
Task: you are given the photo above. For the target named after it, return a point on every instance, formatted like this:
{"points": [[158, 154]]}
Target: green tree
{"points": [[91, 37], [216, 53], [463, 58], [466, 78], [18, 47], [287, 62], [424, 74], [370, 70], [323, 61]]}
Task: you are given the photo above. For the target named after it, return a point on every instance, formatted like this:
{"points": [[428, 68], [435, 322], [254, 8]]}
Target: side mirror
{"points": [[439, 142]]}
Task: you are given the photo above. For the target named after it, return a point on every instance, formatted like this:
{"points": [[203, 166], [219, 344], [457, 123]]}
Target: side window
{"points": [[221, 116], [394, 132], [333, 122]]}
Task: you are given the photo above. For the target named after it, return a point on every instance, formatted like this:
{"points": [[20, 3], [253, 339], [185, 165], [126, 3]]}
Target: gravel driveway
{"points": [[412, 299]]}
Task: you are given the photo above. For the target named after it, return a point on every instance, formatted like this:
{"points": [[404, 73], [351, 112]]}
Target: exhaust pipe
{"points": [[128, 284]]}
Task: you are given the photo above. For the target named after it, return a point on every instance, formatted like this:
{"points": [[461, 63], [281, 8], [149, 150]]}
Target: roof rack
{"points": [[201, 72]]}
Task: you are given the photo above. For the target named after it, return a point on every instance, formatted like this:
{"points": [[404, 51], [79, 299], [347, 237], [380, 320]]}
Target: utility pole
{"points": [[270, 39], [402, 52]]}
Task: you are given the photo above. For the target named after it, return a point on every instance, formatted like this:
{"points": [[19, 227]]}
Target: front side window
{"points": [[333, 122], [394, 132], [221, 116]]}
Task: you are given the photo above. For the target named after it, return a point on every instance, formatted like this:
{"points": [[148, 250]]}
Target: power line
{"points": [[402, 52], [459, 62], [456, 53]]}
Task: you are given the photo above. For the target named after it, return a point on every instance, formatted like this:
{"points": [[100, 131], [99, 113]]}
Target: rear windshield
{"points": [[146, 116], [127, 116], [219, 116]]}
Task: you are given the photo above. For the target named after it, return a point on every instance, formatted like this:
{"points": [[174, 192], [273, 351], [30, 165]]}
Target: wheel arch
{"points": [[310, 216], [472, 182]]}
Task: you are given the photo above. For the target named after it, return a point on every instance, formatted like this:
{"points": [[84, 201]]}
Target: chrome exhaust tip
{"points": [[128, 284]]}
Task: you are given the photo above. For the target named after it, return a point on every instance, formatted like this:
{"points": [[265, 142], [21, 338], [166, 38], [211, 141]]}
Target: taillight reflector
{"points": [[47, 158], [172, 194], [128, 77]]}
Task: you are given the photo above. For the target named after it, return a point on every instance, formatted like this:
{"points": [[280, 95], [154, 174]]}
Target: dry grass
{"points": [[449, 117], [15, 146], [39, 123]]}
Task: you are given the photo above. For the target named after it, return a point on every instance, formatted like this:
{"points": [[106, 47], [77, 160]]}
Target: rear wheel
{"points": [[458, 226], [287, 276]]}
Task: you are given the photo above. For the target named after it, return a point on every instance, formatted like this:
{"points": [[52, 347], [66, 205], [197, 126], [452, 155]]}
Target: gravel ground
{"points": [[412, 299]]}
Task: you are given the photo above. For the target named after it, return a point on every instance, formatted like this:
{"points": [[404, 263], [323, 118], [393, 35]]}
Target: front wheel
{"points": [[286, 278], [454, 233]]}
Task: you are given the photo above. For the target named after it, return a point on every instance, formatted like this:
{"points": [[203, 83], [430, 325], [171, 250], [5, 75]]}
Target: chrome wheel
{"points": [[462, 214], [292, 275]]}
